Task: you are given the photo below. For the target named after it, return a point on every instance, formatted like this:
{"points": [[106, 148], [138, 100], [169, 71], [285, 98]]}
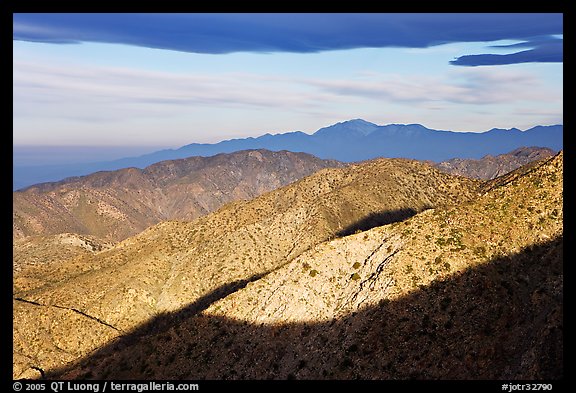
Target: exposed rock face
{"points": [[118, 204], [100, 296], [44, 250], [490, 167]]}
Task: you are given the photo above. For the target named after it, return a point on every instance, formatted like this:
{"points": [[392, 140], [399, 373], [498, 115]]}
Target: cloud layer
{"points": [[546, 51], [303, 33], [104, 100]]}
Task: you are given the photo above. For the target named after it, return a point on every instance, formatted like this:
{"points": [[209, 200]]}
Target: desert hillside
{"points": [[106, 294], [117, 204], [469, 291]]}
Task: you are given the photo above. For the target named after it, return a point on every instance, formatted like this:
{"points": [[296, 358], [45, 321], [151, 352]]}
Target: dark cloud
{"points": [[226, 33], [531, 43], [551, 52]]}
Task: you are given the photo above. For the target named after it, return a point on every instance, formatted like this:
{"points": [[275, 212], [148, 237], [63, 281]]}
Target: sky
{"points": [[166, 80]]}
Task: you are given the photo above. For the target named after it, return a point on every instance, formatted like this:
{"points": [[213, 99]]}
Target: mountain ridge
{"points": [[116, 204], [175, 263], [490, 167], [348, 141], [468, 290], [113, 205]]}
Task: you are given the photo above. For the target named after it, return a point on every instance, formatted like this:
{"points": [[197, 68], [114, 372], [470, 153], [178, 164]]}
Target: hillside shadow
{"points": [[377, 219], [163, 321], [501, 320]]}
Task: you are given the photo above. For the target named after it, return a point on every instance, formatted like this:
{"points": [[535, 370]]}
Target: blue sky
{"points": [[173, 79]]}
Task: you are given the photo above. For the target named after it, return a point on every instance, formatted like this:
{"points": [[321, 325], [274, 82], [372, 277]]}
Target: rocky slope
{"points": [[40, 250], [468, 291], [83, 303], [37, 255], [490, 167], [115, 205]]}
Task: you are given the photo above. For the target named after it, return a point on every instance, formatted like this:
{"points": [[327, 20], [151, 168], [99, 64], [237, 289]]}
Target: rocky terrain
{"points": [[473, 290], [64, 311], [118, 204], [45, 250], [490, 167]]}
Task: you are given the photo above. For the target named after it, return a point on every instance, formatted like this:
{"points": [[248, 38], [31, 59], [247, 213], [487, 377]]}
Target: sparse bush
{"points": [[313, 273], [480, 251], [356, 265], [459, 247], [355, 276]]}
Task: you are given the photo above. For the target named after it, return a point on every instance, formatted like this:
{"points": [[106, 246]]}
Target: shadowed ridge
{"points": [[378, 219], [501, 320], [166, 320]]}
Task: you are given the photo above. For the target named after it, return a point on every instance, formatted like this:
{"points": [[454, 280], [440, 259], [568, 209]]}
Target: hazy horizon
{"points": [[38, 155], [35, 155]]}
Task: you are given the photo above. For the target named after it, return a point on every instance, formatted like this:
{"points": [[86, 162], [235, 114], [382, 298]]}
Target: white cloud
{"points": [[121, 92], [131, 92], [90, 103], [481, 86]]}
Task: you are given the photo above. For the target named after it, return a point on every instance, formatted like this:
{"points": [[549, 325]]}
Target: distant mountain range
{"points": [[349, 141]]}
